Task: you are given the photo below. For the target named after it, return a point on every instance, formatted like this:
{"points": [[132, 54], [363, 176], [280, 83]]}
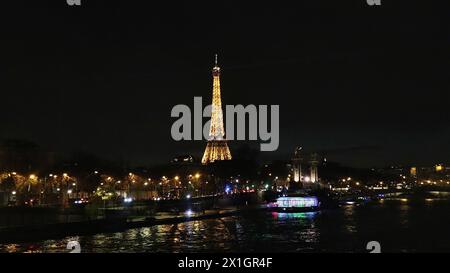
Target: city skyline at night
{"points": [[229, 135]]}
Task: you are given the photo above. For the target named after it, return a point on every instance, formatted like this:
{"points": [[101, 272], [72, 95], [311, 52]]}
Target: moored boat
{"points": [[295, 204]]}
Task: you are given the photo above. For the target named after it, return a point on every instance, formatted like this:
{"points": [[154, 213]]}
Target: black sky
{"points": [[366, 85]]}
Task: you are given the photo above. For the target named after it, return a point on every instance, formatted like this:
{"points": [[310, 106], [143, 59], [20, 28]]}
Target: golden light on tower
{"points": [[217, 148]]}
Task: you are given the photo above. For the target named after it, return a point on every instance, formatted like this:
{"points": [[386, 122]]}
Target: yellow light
{"points": [[439, 168], [197, 175], [32, 176], [177, 178]]}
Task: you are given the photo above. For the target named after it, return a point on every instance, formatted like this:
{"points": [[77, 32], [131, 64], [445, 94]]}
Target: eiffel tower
{"points": [[217, 148]]}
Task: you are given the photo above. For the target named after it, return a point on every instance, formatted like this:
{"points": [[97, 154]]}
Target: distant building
{"points": [[314, 172], [297, 168], [297, 165], [184, 159]]}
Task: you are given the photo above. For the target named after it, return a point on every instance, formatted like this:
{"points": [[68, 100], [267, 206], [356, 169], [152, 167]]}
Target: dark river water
{"points": [[398, 225]]}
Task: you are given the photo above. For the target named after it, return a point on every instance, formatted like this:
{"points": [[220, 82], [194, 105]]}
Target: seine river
{"points": [[398, 225]]}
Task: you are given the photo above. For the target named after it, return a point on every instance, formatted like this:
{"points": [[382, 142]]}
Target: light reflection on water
{"points": [[398, 226]]}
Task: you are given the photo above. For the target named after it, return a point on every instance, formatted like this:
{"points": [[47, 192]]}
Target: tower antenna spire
{"points": [[216, 60]]}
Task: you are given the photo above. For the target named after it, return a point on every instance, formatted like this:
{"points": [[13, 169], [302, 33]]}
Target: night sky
{"points": [[364, 85]]}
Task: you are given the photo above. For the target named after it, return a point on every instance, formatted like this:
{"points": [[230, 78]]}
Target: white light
{"points": [[14, 193], [188, 196], [128, 200], [69, 191]]}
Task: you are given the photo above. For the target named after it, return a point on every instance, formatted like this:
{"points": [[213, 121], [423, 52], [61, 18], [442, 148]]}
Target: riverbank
{"points": [[89, 227]]}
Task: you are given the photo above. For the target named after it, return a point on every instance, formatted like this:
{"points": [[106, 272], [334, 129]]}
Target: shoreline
{"points": [[22, 234]]}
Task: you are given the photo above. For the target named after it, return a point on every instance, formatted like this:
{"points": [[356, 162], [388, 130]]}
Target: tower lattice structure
{"points": [[217, 148]]}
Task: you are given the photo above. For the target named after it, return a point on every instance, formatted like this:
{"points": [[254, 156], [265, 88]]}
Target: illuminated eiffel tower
{"points": [[217, 148]]}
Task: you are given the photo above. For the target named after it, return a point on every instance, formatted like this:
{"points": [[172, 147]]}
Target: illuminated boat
{"points": [[295, 204]]}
